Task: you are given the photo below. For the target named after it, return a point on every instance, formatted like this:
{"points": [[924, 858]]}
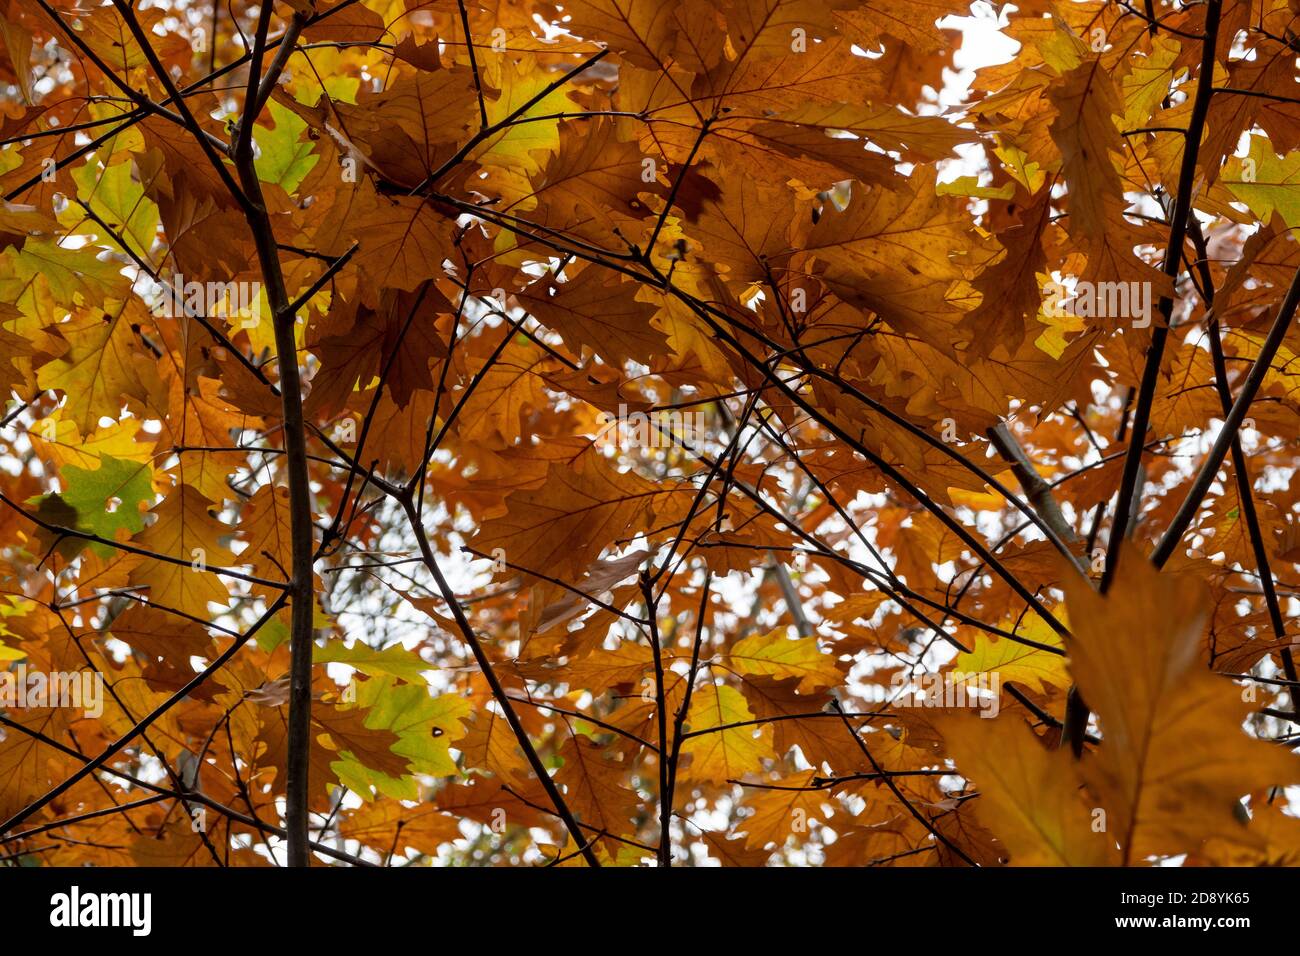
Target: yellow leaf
{"points": [[184, 529], [725, 754], [775, 655], [1031, 666], [1028, 795]]}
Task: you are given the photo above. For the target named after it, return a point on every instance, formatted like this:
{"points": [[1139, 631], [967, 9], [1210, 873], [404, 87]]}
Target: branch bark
{"points": [[1232, 423], [1240, 466], [1173, 256], [301, 531], [494, 682]]}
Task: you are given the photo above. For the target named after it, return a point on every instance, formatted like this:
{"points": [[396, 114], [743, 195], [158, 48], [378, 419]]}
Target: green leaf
{"points": [[394, 661], [114, 196], [115, 495], [111, 496], [272, 634], [282, 159], [1266, 182], [70, 274], [425, 728]]}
